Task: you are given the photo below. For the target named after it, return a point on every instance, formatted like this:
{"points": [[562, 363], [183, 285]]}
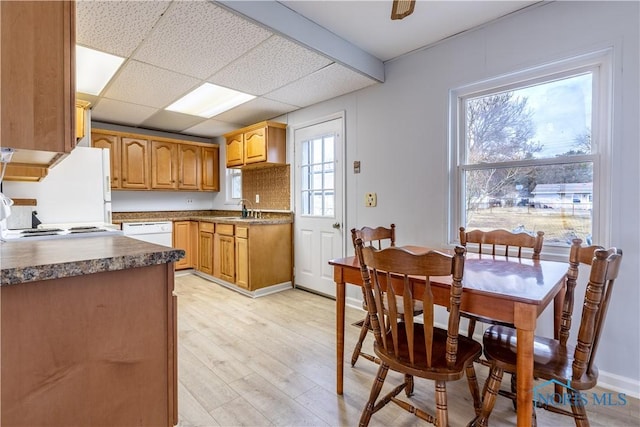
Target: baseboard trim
{"points": [[253, 294]]}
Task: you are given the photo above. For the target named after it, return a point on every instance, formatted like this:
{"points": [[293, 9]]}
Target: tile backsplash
{"points": [[272, 184]]}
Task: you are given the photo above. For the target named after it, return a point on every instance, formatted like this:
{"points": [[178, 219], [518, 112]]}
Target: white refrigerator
{"points": [[75, 191]]}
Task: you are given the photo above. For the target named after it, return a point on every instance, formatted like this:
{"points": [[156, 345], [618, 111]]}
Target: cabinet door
{"points": [[164, 162], [190, 161], [255, 146], [206, 252], [135, 163], [112, 142], [210, 169], [235, 150], [227, 258], [38, 75], [242, 257], [182, 240]]}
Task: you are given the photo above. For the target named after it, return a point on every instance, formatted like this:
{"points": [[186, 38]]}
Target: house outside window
{"points": [[530, 152]]}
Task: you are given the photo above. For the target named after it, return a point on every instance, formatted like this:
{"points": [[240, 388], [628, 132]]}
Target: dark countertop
{"points": [[32, 261], [229, 217]]}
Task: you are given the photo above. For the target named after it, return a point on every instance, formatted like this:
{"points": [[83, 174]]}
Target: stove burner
{"points": [[77, 230], [40, 231]]}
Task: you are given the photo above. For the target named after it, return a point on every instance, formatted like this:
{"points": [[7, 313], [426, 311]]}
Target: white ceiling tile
{"points": [[112, 111], [327, 83], [212, 128], [256, 110], [148, 85], [273, 64], [116, 27], [171, 121], [203, 39]]}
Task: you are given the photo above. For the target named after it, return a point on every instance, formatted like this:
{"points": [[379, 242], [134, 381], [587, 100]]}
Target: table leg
{"points": [[340, 303], [525, 322], [558, 302]]}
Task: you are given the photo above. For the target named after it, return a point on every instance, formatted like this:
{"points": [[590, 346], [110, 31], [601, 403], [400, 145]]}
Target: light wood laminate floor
{"points": [[270, 361]]}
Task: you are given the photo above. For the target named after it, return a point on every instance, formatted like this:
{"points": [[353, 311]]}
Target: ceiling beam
{"points": [[291, 25]]}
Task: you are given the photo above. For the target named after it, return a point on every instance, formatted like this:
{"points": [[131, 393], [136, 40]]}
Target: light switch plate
{"points": [[370, 200]]}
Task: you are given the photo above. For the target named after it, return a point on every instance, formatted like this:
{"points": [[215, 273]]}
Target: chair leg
{"points": [[489, 399], [514, 388], [472, 380], [373, 396], [442, 416], [577, 407], [364, 330], [471, 328], [408, 379]]}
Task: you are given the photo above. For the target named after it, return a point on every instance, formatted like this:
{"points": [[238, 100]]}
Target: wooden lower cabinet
{"points": [[96, 349], [185, 237], [206, 248], [242, 257], [251, 256], [263, 255], [225, 252]]}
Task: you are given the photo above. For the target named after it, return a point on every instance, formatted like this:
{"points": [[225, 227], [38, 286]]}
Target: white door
{"points": [[319, 235]]}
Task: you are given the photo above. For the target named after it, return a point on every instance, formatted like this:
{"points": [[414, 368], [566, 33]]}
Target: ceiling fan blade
{"points": [[402, 8]]}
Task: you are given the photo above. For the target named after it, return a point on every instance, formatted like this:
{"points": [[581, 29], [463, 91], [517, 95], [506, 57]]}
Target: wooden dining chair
{"points": [[498, 242], [409, 347], [556, 361], [378, 237]]}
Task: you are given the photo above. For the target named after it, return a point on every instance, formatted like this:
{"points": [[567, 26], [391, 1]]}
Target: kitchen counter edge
{"points": [[24, 262]]}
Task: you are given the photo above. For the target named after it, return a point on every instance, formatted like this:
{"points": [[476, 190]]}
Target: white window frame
{"points": [[229, 199], [600, 64]]}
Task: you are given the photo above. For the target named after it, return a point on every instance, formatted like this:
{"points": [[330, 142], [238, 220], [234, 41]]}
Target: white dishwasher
{"points": [[160, 232]]}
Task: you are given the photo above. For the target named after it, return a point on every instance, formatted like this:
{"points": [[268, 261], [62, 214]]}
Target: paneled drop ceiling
{"points": [[172, 47]]}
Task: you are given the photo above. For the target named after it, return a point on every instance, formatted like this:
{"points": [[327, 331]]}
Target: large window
{"points": [[529, 153]]}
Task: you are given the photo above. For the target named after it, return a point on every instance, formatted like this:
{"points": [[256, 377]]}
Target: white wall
{"points": [[399, 131]]}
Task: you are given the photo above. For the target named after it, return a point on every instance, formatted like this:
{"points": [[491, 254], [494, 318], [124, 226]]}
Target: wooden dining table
{"points": [[510, 289]]}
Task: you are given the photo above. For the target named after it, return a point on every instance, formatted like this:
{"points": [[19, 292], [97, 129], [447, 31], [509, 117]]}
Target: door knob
{"points": [[336, 225]]}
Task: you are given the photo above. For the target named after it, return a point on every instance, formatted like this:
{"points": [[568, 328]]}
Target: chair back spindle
{"points": [[503, 242], [387, 275], [577, 255], [604, 271]]}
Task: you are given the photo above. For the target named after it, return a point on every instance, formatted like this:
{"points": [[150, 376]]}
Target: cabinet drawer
{"points": [[225, 229], [242, 232], [207, 226]]}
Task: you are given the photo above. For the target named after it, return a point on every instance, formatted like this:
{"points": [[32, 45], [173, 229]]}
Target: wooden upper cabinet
{"points": [[164, 165], [189, 168], [210, 168], [143, 162], [135, 164], [255, 146], [258, 145], [81, 117], [235, 150], [112, 142], [37, 53]]}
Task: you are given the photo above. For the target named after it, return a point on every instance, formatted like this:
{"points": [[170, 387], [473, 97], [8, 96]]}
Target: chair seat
{"points": [[551, 360], [468, 351]]}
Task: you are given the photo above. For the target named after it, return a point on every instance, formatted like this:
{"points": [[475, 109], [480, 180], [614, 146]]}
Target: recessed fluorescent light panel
{"points": [[94, 69], [209, 100]]}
